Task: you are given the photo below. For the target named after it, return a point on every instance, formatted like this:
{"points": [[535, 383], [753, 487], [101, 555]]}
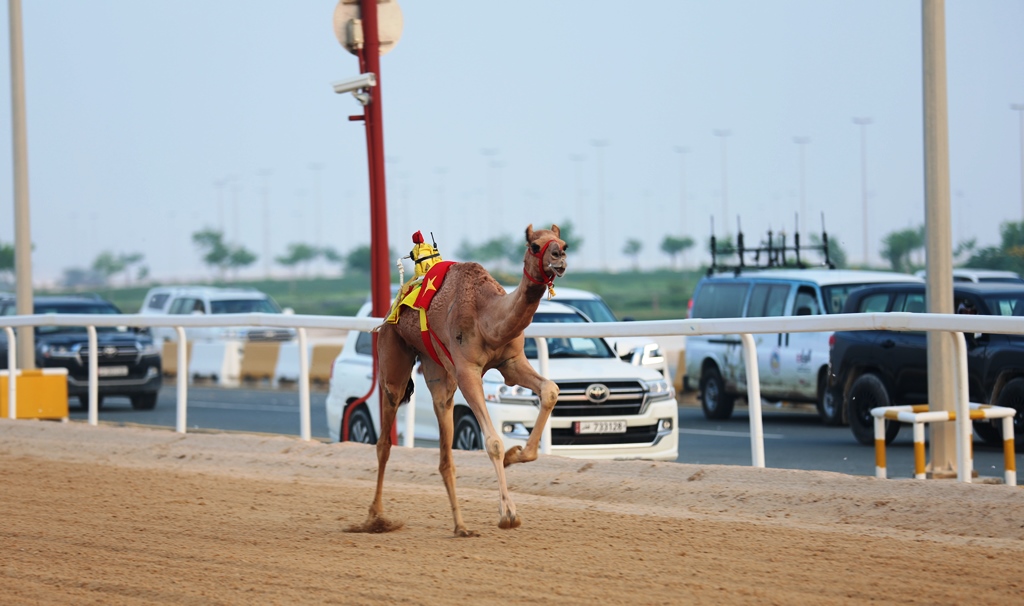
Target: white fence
{"points": [[951, 324]]}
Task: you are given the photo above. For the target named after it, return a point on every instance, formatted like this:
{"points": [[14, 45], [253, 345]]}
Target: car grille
{"points": [[633, 435], [625, 398], [111, 354], [270, 334]]}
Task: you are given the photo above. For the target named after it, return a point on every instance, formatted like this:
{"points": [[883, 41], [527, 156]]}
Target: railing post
{"points": [[304, 431], [964, 427], [753, 400], [182, 380], [94, 377], [543, 362], [12, 390], [409, 439]]}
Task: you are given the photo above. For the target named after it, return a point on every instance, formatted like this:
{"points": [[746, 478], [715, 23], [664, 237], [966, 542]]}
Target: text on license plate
{"points": [[580, 427], [112, 371]]}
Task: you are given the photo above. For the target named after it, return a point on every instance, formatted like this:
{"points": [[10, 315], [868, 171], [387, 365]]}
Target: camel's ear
{"points": [[529, 233], [557, 231]]}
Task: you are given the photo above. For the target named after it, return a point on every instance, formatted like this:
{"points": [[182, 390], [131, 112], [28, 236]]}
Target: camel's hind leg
{"points": [[396, 362], [442, 390], [472, 388], [518, 371]]}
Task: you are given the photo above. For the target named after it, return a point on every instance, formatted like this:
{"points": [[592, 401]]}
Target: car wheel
{"points": [[830, 406], [360, 427], [83, 402], [146, 401], [713, 399], [467, 433], [869, 392], [1011, 396]]}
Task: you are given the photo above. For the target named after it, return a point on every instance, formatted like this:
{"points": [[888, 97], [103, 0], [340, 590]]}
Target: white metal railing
{"points": [[948, 323]]}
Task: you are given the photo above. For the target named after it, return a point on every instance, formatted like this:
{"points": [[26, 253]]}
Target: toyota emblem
{"points": [[597, 393], [110, 350]]}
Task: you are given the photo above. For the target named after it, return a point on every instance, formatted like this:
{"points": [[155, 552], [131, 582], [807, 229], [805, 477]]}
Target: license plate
{"points": [[581, 427], [112, 371]]}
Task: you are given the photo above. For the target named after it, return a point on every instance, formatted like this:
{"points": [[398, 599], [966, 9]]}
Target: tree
{"points": [[211, 243], [333, 257], [673, 247], [240, 257], [836, 253], [1009, 255], [358, 259], [7, 260], [899, 245], [632, 249], [298, 253]]}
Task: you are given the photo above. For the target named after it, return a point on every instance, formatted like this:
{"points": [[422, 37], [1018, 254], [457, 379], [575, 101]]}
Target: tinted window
{"points": [[836, 295], [575, 347], [84, 307], [1005, 305], [874, 303], [912, 303], [157, 301], [767, 300], [364, 344], [806, 302], [184, 305], [244, 306], [720, 300]]}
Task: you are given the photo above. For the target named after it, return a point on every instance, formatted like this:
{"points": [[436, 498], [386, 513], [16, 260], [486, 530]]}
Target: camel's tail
{"points": [[408, 392]]}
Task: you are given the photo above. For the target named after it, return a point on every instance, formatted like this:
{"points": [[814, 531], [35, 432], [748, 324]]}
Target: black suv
{"points": [[128, 361], [870, 368]]}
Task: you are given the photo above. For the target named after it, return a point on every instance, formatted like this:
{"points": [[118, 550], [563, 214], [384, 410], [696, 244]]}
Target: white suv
{"points": [[187, 300], [793, 367], [639, 420]]}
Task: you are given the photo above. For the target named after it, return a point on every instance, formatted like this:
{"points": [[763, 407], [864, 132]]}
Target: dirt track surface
{"points": [[123, 515]]}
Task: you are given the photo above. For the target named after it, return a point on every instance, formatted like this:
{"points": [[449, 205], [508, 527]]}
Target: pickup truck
{"points": [[869, 368]]}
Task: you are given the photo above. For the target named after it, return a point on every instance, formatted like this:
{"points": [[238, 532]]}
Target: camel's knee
{"points": [[548, 394], [494, 446]]}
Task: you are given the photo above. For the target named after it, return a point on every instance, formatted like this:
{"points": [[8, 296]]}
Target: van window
{"points": [[913, 303], [835, 296], [874, 303], [767, 300], [806, 302], [157, 301], [184, 305], [721, 300]]}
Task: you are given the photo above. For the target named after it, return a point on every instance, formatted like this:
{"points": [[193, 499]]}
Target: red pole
{"points": [[380, 264]]}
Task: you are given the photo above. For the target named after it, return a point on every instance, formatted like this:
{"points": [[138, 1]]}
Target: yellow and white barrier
{"points": [[919, 414], [40, 393], [259, 360]]}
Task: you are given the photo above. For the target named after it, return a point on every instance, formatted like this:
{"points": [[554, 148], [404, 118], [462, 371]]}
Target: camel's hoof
{"points": [[465, 532], [376, 524], [512, 455], [509, 521]]}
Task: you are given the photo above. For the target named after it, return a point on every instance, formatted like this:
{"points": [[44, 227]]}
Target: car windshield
{"points": [[84, 307], [244, 306], [572, 347], [836, 295], [596, 310]]}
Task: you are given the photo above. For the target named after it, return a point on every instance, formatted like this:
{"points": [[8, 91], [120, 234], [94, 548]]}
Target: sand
{"points": [[130, 515]]}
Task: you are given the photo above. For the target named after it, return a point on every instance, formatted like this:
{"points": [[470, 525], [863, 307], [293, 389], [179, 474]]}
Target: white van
{"points": [[187, 300], [793, 367]]}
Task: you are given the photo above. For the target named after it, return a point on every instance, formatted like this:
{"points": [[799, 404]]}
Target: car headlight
{"points": [[56, 351], [658, 388], [149, 349], [508, 394]]}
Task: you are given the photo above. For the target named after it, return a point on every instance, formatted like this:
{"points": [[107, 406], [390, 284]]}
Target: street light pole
{"points": [[600, 144], [863, 123], [265, 174], [724, 134], [682, 151], [1019, 108], [802, 142]]}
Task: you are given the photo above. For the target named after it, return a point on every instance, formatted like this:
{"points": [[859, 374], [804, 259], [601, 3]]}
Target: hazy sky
{"points": [[149, 120]]}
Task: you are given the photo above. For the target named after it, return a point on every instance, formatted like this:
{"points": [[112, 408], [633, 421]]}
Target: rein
{"points": [[548, 281]]}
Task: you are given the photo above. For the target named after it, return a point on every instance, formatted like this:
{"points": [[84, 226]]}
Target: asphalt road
{"points": [[793, 438]]}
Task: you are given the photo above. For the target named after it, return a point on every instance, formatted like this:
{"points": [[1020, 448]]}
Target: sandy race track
{"points": [[123, 515]]}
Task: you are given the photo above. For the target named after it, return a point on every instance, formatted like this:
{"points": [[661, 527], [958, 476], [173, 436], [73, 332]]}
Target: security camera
{"points": [[353, 84]]}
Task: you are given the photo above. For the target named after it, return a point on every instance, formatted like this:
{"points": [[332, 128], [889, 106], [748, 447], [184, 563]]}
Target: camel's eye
{"points": [[565, 248], [535, 248]]}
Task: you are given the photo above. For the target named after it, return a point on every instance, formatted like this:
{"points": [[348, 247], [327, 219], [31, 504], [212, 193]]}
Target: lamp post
{"points": [[599, 145], [682, 151], [724, 134], [863, 124], [493, 195], [1019, 108], [265, 174], [802, 142], [316, 167], [22, 232], [578, 159]]}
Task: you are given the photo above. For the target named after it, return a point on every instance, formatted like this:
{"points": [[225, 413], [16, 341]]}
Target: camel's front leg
{"points": [[519, 372], [472, 388]]}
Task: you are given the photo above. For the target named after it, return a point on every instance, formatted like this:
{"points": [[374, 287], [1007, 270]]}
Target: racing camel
{"points": [[470, 326]]}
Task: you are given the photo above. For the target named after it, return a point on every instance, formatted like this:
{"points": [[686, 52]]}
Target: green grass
{"points": [[652, 295]]}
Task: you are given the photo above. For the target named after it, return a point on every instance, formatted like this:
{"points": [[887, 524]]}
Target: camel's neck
{"points": [[514, 312]]}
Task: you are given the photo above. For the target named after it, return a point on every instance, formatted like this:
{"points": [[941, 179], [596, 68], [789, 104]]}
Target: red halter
{"points": [[548, 280]]}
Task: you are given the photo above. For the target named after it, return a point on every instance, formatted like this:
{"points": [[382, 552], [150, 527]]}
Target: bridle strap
{"points": [[548, 280]]}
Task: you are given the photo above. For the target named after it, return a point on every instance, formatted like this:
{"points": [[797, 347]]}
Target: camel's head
{"points": [[549, 250]]}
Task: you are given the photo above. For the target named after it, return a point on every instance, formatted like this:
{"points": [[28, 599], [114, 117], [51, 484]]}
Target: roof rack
{"points": [[774, 252]]}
